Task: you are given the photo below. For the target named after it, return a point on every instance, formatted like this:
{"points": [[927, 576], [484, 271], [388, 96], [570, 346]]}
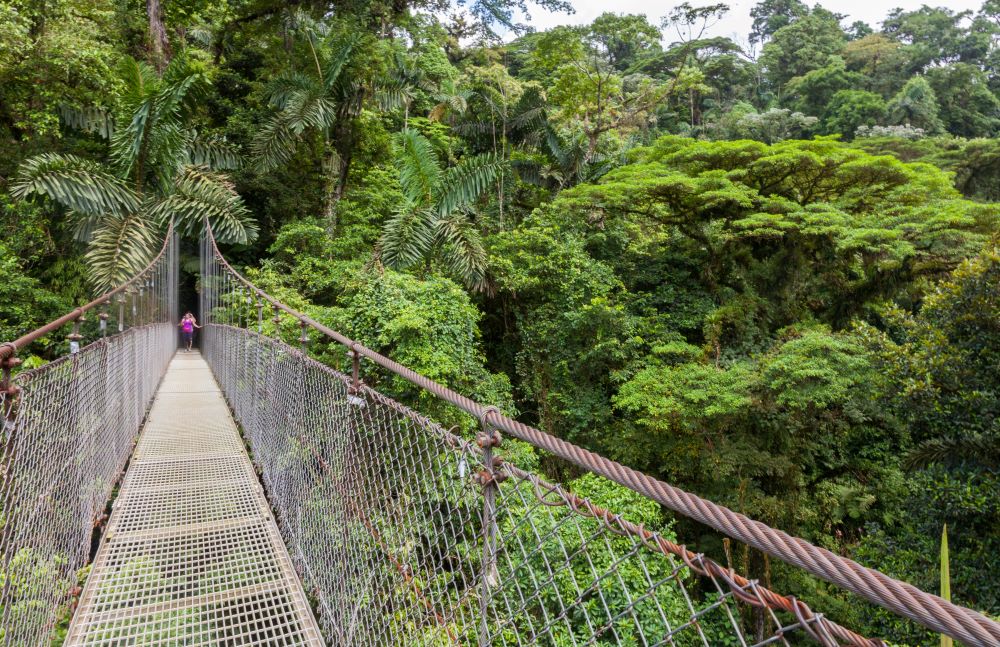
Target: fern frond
{"points": [[407, 237], [419, 169], [202, 35], [121, 246], [462, 249], [465, 183], [201, 193], [78, 184]]}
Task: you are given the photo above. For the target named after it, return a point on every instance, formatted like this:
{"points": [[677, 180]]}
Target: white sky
{"points": [[736, 24]]}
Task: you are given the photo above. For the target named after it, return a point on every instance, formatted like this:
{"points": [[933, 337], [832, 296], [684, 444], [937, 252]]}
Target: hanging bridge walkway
{"points": [[192, 554], [264, 497]]}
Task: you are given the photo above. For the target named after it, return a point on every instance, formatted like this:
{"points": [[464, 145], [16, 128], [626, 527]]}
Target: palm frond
{"points": [[274, 145], [463, 184], [419, 169], [473, 128], [975, 449], [181, 88], [305, 111], [139, 78], [121, 246], [529, 171], [202, 193], [166, 152], [407, 237], [289, 84], [449, 103], [92, 119], [339, 56], [128, 141], [78, 184], [392, 94], [214, 152], [462, 249]]}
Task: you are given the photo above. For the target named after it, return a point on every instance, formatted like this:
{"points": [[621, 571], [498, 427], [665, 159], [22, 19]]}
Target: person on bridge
{"points": [[187, 325]]}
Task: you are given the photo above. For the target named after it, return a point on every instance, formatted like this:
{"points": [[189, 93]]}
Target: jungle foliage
{"points": [[766, 272]]}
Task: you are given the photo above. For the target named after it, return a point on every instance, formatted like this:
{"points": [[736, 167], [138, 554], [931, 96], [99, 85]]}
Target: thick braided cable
{"points": [[933, 612]]}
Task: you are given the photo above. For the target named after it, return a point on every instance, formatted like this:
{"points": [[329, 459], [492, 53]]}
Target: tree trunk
{"points": [[159, 44]]}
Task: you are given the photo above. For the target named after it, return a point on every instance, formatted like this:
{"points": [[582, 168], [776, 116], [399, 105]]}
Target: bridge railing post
{"points": [[489, 478]]}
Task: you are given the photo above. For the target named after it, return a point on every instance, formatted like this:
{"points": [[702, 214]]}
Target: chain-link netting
{"points": [[407, 533], [68, 430]]}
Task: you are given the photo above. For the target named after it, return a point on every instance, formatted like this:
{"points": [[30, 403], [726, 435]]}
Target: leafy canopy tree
{"points": [[160, 170], [851, 109], [812, 93], [916, 105], [878, 59], [771, 15], [941, 363], [586, 90], [966, 105], [436, 218], [54, 53], [802, 46], [937, 35]]}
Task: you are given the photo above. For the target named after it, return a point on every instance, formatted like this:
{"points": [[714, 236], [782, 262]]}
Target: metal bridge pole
{"points": [[489, 479]]}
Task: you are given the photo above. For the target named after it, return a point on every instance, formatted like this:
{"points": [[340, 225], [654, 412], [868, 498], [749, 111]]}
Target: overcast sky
{"points": [[736, 24]]}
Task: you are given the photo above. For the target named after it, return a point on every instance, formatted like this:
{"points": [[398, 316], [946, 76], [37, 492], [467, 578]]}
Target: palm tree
{"points": [[160, 170], [436, 218], [323, 99], [564, 162]]}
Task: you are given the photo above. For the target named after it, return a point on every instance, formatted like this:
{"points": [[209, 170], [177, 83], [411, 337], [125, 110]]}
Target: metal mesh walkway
{"points": [[192, 555]]}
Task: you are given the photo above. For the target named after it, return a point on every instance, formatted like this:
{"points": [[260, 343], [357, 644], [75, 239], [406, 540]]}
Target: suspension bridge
{"points": [[264, 497]]}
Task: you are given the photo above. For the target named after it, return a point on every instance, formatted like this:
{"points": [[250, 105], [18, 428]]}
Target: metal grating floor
{"points": [[192, 555]]}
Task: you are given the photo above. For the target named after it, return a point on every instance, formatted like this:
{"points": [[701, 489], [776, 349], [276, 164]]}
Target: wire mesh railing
{"points": [[408, 533], [68, 428]]}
